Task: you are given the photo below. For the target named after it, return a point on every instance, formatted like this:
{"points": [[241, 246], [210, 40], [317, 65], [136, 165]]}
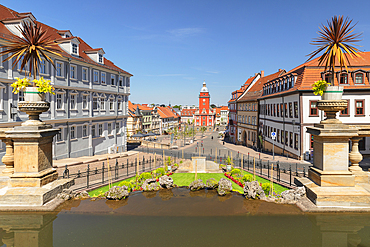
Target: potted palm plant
{"points": [[336, 43], [28, 49]]}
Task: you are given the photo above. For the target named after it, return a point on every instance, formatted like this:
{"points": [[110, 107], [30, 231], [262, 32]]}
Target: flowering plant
{"points": [[43, 86], [319, 87]]}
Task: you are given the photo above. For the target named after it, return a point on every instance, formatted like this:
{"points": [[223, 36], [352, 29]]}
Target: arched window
{"points": [[359, 78]]}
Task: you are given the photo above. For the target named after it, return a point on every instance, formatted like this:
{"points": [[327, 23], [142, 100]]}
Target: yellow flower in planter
{"points": [[20, 84], [43, 86]]}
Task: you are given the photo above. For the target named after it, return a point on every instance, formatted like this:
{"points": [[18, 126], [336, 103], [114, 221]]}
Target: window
{"points": [[111, 104], [314, 112], [359, 78], [85, 99], [60, 135], [96, 76], [113, 79], [286, 109], [290, 110], [119, 106], [328, 77], [93, 130], [296, 109], [102, 104], [120, 81], [282, 137], [277, 110], [345, 112], [117, 128], [84, 74], [127, 81], [59, 69], [286, 138], [74, 48], [21, 96], [73, 133], [42, 66], [296, 141], [84, 130], [59, 101], [73, 72], [278, 135], [359, 107], [282, 109], [100, 58], [291, 139], [109, 128], [73, 102], [343, 78], [100, 130], [95, 104], [103, 78]]}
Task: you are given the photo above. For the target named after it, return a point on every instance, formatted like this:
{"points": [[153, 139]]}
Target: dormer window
{"points": [[359, 78], [100, 58], [74, 48], [67, 36]]}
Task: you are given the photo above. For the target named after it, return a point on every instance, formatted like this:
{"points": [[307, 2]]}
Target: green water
{"points": [[181, 218]]}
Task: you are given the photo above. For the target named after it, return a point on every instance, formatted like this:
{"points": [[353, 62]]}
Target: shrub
{"points": [[247, 178], [180, 161], [235, 172], [144, 176], [126, 183], [266, 188], [159, 172]]}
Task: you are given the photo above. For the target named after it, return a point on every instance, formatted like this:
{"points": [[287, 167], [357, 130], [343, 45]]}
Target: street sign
{"points": [[273, 135]]}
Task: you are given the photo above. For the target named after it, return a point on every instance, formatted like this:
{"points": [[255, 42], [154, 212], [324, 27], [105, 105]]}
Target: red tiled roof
{"points": [[309, 72], [256, 90], [6, 13], [188, 112]]}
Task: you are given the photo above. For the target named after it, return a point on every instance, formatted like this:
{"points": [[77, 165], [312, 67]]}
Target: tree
{"points": [[31, 47], [213, 106], [336, 41], [203, 129]]}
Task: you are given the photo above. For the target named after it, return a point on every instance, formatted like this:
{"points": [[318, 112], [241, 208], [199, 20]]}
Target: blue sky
{"points": [[171, 47]]}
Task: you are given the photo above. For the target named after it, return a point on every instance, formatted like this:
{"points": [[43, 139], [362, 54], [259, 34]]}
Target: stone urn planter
{"points": [[33, 105], [332, 93]]}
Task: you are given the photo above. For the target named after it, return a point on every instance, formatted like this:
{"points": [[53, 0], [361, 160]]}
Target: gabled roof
{"points": [[54, 34], [188, 112], [256, 90]]}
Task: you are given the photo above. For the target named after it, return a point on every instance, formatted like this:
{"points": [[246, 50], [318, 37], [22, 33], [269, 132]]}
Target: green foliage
{"points": [[247, 178], [169, 161], [235, 172], [266, 188], [319, 87], [144, 176], [229, 161], [177, 165], [159, 172], [180, 161], [126, 183]]}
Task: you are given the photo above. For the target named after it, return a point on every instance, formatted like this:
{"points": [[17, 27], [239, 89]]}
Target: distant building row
{"points": [[284, 103]]}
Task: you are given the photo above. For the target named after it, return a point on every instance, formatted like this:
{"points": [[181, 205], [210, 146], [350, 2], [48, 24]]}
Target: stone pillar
{"points": [[8, 158], [32, 156], [330, 166]]}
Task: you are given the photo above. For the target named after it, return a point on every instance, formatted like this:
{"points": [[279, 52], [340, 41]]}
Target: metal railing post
{"points": [[88, 175], [290, 174], [102, 180]]}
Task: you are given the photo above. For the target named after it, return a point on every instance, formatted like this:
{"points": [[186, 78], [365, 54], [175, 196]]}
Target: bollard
{"points": [[102, 174], [127, 166], [296, 169], [203, 150], [268, 170], [259, 155], [88, 175]]}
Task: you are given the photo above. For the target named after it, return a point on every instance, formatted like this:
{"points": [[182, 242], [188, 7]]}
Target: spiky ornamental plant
{"points": [[336, 41], [33, 45]]}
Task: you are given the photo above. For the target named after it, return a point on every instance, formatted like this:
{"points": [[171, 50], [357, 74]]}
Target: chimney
{"points": [[255, 74], [262, 73], [280, 70]]}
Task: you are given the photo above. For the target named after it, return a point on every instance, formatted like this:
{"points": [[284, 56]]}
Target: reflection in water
{"points": [[179, 218]]}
